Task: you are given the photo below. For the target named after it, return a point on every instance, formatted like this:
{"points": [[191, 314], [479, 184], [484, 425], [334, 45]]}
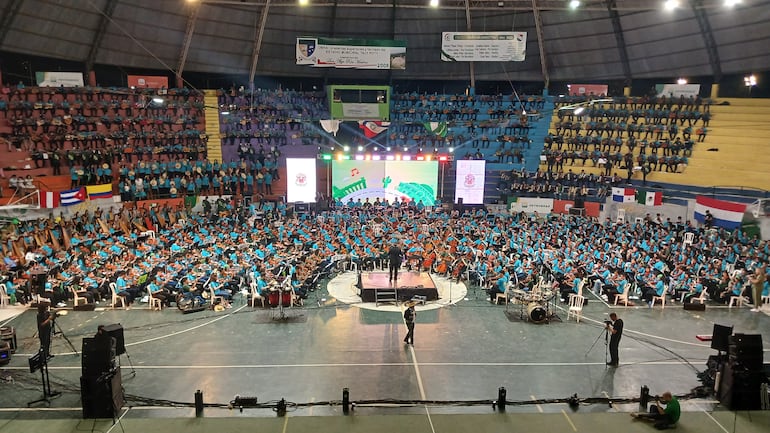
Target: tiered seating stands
{"points": [[79, 136], [653, 134]]}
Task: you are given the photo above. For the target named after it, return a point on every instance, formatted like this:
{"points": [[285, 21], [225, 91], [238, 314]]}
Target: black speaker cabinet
{"points": [[98, 356], [692, 306], [580, 203], [102, 396], [116, 331], [739, 389], [745, 350]]}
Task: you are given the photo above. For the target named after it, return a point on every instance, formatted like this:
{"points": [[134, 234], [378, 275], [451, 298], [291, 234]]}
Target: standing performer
{"points": [[394, 256], [44, 326], [409, 315], [615, 328]]}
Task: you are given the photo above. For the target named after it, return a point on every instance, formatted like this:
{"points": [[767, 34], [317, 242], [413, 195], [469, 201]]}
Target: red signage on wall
{"points": [[147, 82], [588, 89]]}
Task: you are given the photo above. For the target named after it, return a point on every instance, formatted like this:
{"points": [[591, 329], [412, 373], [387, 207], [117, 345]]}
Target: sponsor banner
{"points": [[360, 110], [483, 46], [726, 214], [469, 181], [351, 53], [148, 81], [300, 180], [678, 90], [542, 206], [588, 89], [58, 79]]}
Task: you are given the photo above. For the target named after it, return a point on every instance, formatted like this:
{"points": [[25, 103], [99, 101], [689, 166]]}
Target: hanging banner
{"points": [[351, 53], [59, 79], [678, 90], [588, 89], [483, 46], [147, 82], [543, 206]]}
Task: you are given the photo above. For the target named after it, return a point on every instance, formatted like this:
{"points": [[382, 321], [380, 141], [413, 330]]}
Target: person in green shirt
{"points": [[663, 417]]}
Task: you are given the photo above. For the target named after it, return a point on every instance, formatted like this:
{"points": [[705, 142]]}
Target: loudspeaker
{"points": [[116, 331], [8, 335], [580, 203], [98, 356], [102, 397], [84, 307], [691, 306], [745, 350], [719, 337], [739, 389], [5, 353]]}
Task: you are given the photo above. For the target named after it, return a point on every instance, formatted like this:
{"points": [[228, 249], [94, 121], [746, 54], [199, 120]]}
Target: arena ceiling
{"points": [[600, 40]]}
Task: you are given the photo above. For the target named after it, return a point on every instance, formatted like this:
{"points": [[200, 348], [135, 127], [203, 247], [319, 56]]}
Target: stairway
{"points": [[214, 145]]}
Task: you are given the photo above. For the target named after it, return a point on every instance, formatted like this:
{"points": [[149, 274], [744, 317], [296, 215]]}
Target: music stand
{"points": [[39, 361]]}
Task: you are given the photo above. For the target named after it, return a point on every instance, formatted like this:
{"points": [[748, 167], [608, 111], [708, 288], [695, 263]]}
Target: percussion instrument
{"points": [[536, 313], [279, 297]]}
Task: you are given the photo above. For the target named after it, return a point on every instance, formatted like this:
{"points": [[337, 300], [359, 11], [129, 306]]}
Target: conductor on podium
{"points": [[394, 257]]}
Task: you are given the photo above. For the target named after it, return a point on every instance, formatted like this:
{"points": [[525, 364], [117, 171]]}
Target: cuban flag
{"points": [[72, 196], [623, 195], [726, 214]]}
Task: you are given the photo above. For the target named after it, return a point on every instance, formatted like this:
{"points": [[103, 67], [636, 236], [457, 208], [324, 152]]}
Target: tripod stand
{"points": [[56, 330], [606, 333]]}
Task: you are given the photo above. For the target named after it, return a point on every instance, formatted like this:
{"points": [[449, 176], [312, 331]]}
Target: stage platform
{"points": [[406, 286]]}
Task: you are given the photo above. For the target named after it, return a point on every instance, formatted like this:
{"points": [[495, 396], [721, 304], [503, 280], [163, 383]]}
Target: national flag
{"points": [[649, 198], [48, 199], [623, 195], [99, 191], [726, 214], [73, 196], [373, 128], [437, 128]]}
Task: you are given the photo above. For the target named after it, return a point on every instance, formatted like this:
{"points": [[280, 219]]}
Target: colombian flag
{"points": [[99, 191]]}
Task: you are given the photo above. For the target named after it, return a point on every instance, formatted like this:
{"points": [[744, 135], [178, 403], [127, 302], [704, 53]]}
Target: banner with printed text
{"points": [[59, 79], [542, 206], [148, 82], [351, 53], [483, 46], [677, 90]]}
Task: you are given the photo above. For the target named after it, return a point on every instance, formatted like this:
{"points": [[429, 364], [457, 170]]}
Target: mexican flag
{"points": [[437, 128], [649, 198], [373, 128]]}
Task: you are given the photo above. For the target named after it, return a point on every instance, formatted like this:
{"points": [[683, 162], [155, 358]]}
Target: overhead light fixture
{"points": [[500, 4], [227, 113], [578, 110], [731, 3], [750, 80], [303, 2], [670, 5], [346, 148], [368, 2], [434, 3], [157, 100], [681, 81], [573, 4]]}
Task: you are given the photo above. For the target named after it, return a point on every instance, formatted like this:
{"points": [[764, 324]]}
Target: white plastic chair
{"points": [[661, 299], [76, 298], [5, 300], [689, 238], [622, 297], [115, 298], [255, 296], [153, 303], [739, 299], [575, 307]]}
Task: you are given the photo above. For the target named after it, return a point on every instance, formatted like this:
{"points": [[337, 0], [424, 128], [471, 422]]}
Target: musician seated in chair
{"points": [[499, 287], [572, 284]]}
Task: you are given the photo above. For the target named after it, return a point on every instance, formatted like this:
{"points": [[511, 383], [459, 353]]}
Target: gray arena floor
{"points": [[444, 383]]}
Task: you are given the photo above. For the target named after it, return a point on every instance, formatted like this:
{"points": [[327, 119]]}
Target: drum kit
{"points": [[534, 305]]}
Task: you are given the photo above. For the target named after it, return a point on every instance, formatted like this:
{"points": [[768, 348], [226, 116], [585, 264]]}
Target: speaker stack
{"points": [[742, 375], [101, 389]]}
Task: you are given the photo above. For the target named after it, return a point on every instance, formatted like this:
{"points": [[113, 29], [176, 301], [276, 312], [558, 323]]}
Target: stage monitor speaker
{"points": [[84, 307], [102, 397], [692, 306], [580, 203], [116, 331], [5, 353], [719, 337], [98, 356], [8, 335]]}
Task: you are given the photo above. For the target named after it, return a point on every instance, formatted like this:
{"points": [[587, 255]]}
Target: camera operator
{"points": [[45, 320], [615, 328], [664, 417]]}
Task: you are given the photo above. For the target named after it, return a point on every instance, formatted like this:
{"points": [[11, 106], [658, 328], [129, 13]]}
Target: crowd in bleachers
{"points": [[559, 185], [86, 130], [240, 247], [632, 133]]}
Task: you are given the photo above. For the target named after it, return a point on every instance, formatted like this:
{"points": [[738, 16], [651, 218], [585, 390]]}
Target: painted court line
{"points": [[539, 408], [569, 420], [715, 421]]}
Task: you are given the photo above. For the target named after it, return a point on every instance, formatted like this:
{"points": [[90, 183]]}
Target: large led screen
{"points": [[300, 180], [403, 180], [469, 183]]}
